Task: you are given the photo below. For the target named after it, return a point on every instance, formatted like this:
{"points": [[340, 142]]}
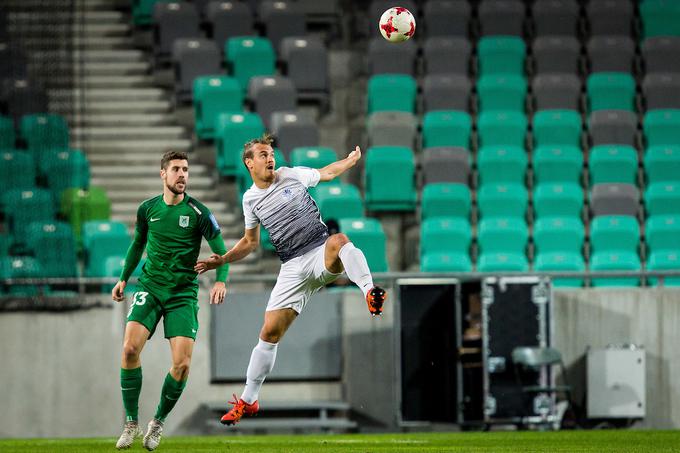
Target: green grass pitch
{"points": [[526, 442]]}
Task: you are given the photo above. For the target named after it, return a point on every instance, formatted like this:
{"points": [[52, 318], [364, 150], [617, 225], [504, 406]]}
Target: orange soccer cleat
{"points": [[375, 299], [240, 409]]}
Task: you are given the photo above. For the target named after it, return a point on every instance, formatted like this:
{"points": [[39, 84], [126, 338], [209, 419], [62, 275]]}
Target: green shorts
{"points": [[179, 310]]}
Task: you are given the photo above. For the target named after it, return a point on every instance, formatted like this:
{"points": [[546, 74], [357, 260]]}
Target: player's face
{"points": [[262, 164], [176, 176]]}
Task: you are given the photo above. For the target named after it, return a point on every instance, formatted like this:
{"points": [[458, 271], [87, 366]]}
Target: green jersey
{"points": [[172, 235]]}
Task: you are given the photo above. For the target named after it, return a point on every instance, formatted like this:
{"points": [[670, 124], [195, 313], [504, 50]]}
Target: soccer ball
{"points": [[397, 24]]}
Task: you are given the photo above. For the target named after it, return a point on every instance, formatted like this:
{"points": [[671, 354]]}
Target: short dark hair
{"points": [[266, 139], [172, 155]]}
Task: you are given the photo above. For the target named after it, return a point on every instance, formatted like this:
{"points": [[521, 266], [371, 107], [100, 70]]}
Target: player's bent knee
{"points": [[131, 352], [338, 240]]}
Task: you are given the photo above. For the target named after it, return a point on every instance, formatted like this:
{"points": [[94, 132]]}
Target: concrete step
{"points": [[91, 56], [116, 158], [142, 133], [82, 42], [116, 107], [136, 196], [113, 94], [71, 17], [115, 82], [112, 69], [67, 29], [110, 171], [121, 120], [125, 182], [125, 148]]}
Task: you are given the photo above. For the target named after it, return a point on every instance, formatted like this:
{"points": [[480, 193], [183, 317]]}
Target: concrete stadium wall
{"points": [[60, 371]]}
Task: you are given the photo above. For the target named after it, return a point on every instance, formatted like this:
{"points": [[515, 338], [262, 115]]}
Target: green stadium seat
{"points": [[557, 128], [613, 163], [615, 261], [664, 260], [389, 180], [113, 266], [22, 267], [214, 95], [614, 233], [22, 207], [502, 92], [502, 128], [662, 198], [339, 201], [501, 55], [662, 164], [249, 56], [557, 164], [611, 91], [394, 92], [312, 156], [662, 232], [559, 234], [101, 240], [79, 206], [43, 131], [502, 164], [443, 199], [660, 18], [243, 178], [558, 200], [5, 244], [662, 127], [17, 170], [7, 134], [265, 240], [445, 262], [233, 131], [447, 128], [506, 235], [65, 170], [502, 200], [445, 235], [54, 246], [561, 262], [142, 11], [502, 262], [368, 235]]}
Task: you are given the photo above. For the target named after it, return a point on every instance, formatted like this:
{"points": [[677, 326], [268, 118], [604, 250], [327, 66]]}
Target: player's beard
{"points": [[176, 190]]}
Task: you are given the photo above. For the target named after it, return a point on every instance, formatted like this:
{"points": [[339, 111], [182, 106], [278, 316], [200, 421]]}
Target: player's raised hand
{"points": [[355, 155], [218, 293], [213, 262], [118, 292]]}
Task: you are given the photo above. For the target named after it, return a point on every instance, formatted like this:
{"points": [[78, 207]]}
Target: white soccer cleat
{"points": [[152, 438], [130, 432]]}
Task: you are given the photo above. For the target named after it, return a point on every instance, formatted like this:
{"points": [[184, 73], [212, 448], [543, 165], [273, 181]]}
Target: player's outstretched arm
{"points": [[332, 171], [248, 243], [134, 255]]}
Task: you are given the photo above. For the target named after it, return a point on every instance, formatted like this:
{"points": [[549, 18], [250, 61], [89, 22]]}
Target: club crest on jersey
{"points": [[184, 221], [287, 194]]}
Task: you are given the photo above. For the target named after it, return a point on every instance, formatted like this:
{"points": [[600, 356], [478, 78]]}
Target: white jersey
{"points": [[287, 211]]}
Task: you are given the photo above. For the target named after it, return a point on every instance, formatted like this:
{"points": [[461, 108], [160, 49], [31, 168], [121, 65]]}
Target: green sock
{"points": [[170, 393], [131, 387]]}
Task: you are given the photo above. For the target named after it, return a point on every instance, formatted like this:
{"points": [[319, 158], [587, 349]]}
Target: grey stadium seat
{"points": [[271, 94], [610, 17], [385, 57], [615, 199], [613, 127], [173, 21], [446, 92], [661, 54], [556, 54], [389, 128], [25, 97], [661, 91], [193, 58], [611, 54], [447, 55], [293, 129], [306, 61], [228, 19], [501, 17], [446, 164], [446, 18], [556, 17], [556, 91], [282, 19]]}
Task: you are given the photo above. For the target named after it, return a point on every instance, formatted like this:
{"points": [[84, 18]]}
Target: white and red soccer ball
{"points": [[397, 24]]}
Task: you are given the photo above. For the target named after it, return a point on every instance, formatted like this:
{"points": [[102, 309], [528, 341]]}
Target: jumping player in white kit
{"points": [[278, 200]]}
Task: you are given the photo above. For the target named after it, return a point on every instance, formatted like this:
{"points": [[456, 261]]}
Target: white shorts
{"points": [[299, 279]]}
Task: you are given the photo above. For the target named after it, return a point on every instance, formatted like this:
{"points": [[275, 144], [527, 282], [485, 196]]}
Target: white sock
{"points": [[356, 267], [261, 363]]}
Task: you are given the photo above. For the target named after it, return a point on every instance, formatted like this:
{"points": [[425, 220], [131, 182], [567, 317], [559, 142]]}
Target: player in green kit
{"points": [[170, 227]]}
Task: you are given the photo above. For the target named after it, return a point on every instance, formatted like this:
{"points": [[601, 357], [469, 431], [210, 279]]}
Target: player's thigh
{"points": [[180, 315], [145, 309], [324, 272], [135, 337], [290, 288], [276, 324]]}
